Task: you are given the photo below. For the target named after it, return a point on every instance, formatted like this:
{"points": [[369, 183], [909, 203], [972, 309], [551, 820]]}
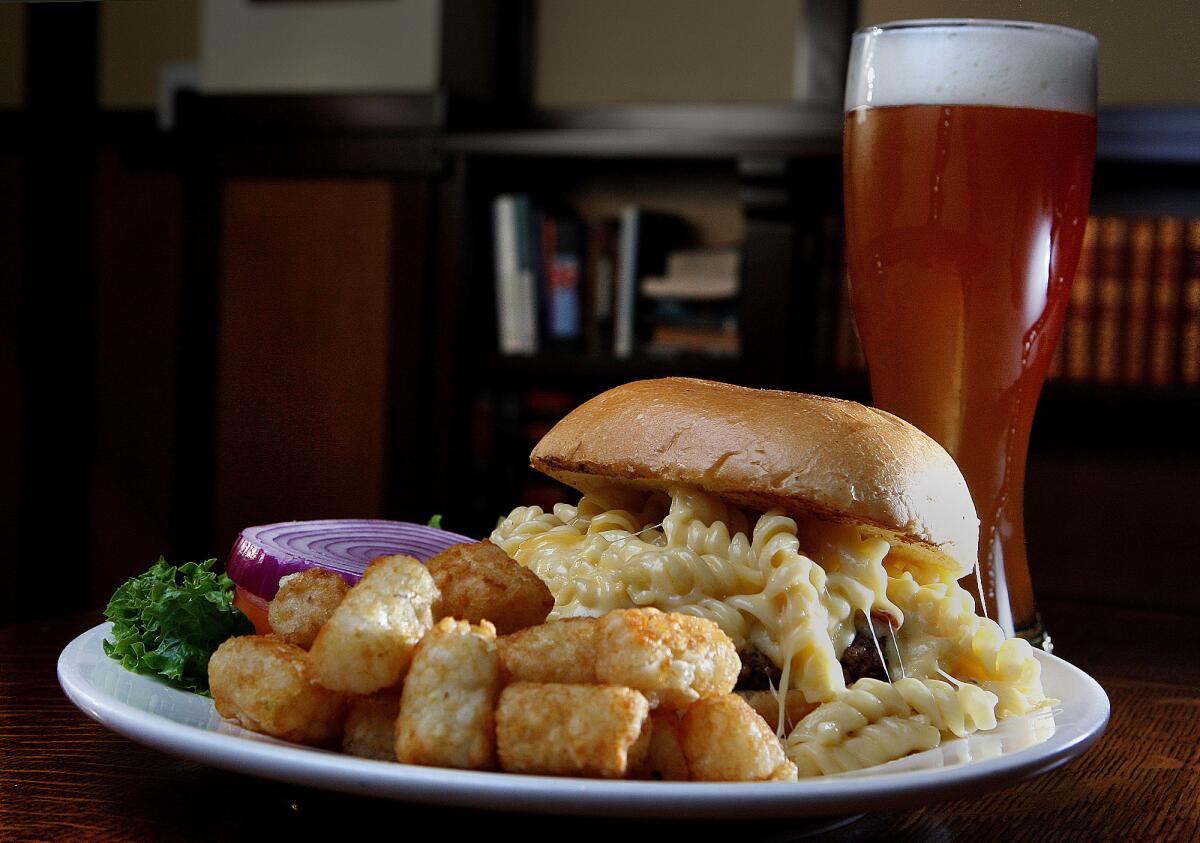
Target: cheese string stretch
{"points": [[748, 573]]}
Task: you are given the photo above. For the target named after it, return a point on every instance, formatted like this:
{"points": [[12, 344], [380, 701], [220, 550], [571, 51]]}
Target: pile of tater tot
{"points": [[453, 664]]}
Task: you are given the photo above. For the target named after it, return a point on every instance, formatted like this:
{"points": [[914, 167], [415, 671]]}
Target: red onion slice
{"points": [[262, 555]]}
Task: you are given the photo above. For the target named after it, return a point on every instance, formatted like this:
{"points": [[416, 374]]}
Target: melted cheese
{"points": [[689, 552], [796, 592]]}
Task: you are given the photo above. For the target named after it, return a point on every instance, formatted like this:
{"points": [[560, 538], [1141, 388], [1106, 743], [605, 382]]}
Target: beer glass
{"points": [[968, 155]]}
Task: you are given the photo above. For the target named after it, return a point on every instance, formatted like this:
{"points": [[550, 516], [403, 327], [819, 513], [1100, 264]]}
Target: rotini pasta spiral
{"points": [[522, 523], [794, 592], [956, 710], [793, 620], [704, 560], [857, 580], [943, 634], [885, 740]]}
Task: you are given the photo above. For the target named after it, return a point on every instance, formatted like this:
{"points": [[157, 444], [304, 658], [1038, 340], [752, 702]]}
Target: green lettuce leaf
{"points": [[169, 621]]}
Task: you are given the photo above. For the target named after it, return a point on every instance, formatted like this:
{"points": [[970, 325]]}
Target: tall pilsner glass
{"points": [[968, 167]]}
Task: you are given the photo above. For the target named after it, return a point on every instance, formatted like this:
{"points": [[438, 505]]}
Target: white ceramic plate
{"points": [[187, 725]]}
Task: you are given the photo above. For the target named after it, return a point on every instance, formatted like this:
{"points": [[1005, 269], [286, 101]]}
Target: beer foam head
{"points": [[973, 62]]}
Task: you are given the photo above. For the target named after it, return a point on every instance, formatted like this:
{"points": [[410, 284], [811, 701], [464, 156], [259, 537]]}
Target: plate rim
{"points": [[307, 766]]}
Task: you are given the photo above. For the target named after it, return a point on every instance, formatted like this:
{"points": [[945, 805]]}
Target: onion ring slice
{"points": [[262, 555]]}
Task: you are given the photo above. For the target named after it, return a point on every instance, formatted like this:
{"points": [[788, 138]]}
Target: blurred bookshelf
{"points": [[374, 213], [761, 180], [753, 185], [778, 170]]}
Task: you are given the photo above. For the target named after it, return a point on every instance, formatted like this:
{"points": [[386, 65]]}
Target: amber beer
{"points": [[964, 223]]}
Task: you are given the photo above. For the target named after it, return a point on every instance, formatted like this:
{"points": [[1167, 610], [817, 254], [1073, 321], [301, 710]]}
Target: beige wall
{"points": [[587, 50], [137, 37], [1149, 51], [363, 45], [591, 51], [12, 56]]}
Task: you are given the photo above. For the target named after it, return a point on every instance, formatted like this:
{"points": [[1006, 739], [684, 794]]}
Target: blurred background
{"points": [[289, 259]]}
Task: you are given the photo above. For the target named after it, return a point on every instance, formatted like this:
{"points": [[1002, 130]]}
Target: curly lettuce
{"points": [[169, 621]]}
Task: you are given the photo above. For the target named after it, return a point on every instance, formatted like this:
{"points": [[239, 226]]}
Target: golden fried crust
{"points": [[766, 449], [559, 651], [639, 752], [479, 581], [304, 603], [368, 643], [569, 730], [266, 685], [664, 759], [446, 709], [371, 727], [674, 659], [724, 740]]}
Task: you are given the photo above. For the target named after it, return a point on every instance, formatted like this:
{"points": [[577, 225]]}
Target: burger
{"points": [[826, 538]]}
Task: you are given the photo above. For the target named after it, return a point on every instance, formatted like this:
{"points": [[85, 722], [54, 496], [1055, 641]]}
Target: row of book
{"points": [[609, 287], [1134, 312]]}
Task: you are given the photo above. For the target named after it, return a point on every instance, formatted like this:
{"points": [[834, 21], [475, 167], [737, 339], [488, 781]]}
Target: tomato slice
{"points": [[253, 607]]}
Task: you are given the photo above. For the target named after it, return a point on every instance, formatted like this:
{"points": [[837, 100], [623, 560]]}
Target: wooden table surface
{"points": [[64, 777]]}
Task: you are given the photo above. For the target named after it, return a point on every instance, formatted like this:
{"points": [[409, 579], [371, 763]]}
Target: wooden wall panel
{"points": [[138, 276], [10, 365], [56, 325], [1114, 528], [303, 348]]}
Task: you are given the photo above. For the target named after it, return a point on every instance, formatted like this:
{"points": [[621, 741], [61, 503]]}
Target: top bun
{"points": [[767, 449]]}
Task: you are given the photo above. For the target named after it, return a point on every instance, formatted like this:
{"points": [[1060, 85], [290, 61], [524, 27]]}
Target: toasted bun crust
{"points": [[766, 449]]}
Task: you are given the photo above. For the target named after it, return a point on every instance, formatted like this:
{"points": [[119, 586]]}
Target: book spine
{"points": [[1079, 312], [547, 230], [1165, 306], [1137, 300], [626, 286], [589, 318], [712, 342], [1189, 334], [564, 276], [527, 277], [849, 349], [1058, 364], [598, 286], [504, 229], [539, 268], [1110, 294]]}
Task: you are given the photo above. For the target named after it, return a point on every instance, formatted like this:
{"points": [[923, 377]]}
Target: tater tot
{"points": [[447, 708], [370, 730], [766, 703], [664, 759], [304, 603], [368, 643], [724, 740], [674, 659], [559, 651], [266, 685], [480, 582], [569, 730], [635, 758]]}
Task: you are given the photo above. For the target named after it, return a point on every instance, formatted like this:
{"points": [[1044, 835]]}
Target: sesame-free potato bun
{"points": [[768, 449]]}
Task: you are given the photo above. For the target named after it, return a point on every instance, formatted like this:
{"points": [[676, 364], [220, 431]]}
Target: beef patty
{"points": [[861, 659]]}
